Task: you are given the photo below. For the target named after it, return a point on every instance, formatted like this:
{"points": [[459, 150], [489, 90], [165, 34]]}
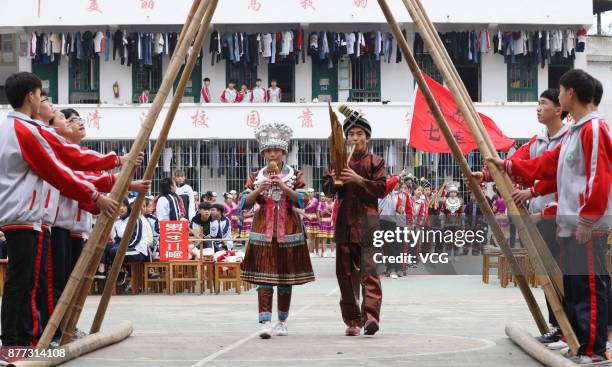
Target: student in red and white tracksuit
{"points": [[230, 94], [206, 91], [26, 159], [244, 96], [275, 94], [259, 94], [541, 193], [581, 166]]}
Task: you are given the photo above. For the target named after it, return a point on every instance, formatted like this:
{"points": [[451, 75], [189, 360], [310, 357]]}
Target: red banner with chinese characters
{"points": [[173, 240], [425, 135]]}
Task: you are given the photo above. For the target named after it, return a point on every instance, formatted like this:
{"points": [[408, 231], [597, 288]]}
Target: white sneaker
{"points": [[324, 254], [281, 329], [394, 276], [266, 330], [312, 254], [583, 359], [557, 345]]}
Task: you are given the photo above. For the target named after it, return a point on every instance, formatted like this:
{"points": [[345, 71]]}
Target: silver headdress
{"points": [[273, 136], [452, 186]]}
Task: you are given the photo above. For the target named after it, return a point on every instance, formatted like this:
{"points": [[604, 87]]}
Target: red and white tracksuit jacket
{"points": [[405, 201], [229, 95], [581, 166], [259, 95], [143, 98], [205, 95], [31, 153], [543, 191]]}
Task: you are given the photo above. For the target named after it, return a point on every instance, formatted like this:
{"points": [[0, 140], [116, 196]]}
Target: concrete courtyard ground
{"points": [[427, 320]]}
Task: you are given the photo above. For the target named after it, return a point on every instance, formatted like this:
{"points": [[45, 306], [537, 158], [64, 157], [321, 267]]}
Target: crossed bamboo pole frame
{"points": [[70, 304], [547, 270]]}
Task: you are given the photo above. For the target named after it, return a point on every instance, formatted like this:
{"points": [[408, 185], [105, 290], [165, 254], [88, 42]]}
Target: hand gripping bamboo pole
{"points": [[150, 171], [458, 154], [550, 265], [538, 251], [85, 284], [104, 224]]}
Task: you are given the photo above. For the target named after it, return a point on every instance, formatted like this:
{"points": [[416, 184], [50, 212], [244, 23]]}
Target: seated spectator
{"points": [[137, 251], [168, 206], [220, 227], [200, 225], [154, 223]]}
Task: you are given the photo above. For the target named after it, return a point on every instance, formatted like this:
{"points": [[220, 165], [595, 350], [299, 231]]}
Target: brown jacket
{"points": [[358, 202]]}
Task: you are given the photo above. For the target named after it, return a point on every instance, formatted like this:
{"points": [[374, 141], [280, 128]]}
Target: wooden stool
{"points": [[490, 260], [506, 273], [207, 275], [184, 275], [136, 276], [229, 276], [161, 284]]}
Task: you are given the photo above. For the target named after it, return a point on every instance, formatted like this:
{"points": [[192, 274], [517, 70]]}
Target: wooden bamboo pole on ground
{"points": [[465, 169], [104, 224], [552, 285], [550, 264], [150, 171], [82, 346], [85, 286]]}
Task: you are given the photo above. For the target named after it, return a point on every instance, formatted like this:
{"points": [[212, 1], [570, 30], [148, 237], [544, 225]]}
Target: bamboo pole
{"points": [[458, 154], [532, 239], [104, 224], [72, 318], [83, 287], [81, 347], [550, 264], [150, 171], [535, 349]]}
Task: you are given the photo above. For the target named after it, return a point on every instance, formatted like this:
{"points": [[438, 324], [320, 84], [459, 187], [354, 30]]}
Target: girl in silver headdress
{"points": [[277, 254]]}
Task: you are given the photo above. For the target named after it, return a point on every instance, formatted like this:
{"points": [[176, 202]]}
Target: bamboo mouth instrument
{"points": [[337, 146], [272, 169]]}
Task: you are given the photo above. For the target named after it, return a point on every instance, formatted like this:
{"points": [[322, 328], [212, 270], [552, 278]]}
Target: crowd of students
{"points": [[256, 94]]}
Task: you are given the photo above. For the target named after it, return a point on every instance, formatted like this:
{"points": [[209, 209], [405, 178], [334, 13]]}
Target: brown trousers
{"points": [[265, 295], [356, 273]]}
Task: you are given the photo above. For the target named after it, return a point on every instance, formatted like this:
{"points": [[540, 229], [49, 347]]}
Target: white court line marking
{"points": [[487, 344], [252, 336]]}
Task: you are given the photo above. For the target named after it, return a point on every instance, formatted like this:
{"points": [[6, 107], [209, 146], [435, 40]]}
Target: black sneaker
{"points": [[370, 328], [552, 336], [99, 275]]}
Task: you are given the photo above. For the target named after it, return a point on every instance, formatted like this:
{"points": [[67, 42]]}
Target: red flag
{"points": [[425, 134]]}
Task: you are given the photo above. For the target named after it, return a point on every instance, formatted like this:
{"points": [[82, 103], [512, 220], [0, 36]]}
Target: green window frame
{"points": [[365, 80], [240, 73], [84, 80], [558, 66], [150, 76], [523, 80]]}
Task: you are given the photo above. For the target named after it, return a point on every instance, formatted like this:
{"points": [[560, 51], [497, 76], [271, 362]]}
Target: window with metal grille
{"points": [[8, 49], [558, 66], [365, 80], [84, 80], [523, 80], [427, 65], [146, 76], [240, 73]]}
